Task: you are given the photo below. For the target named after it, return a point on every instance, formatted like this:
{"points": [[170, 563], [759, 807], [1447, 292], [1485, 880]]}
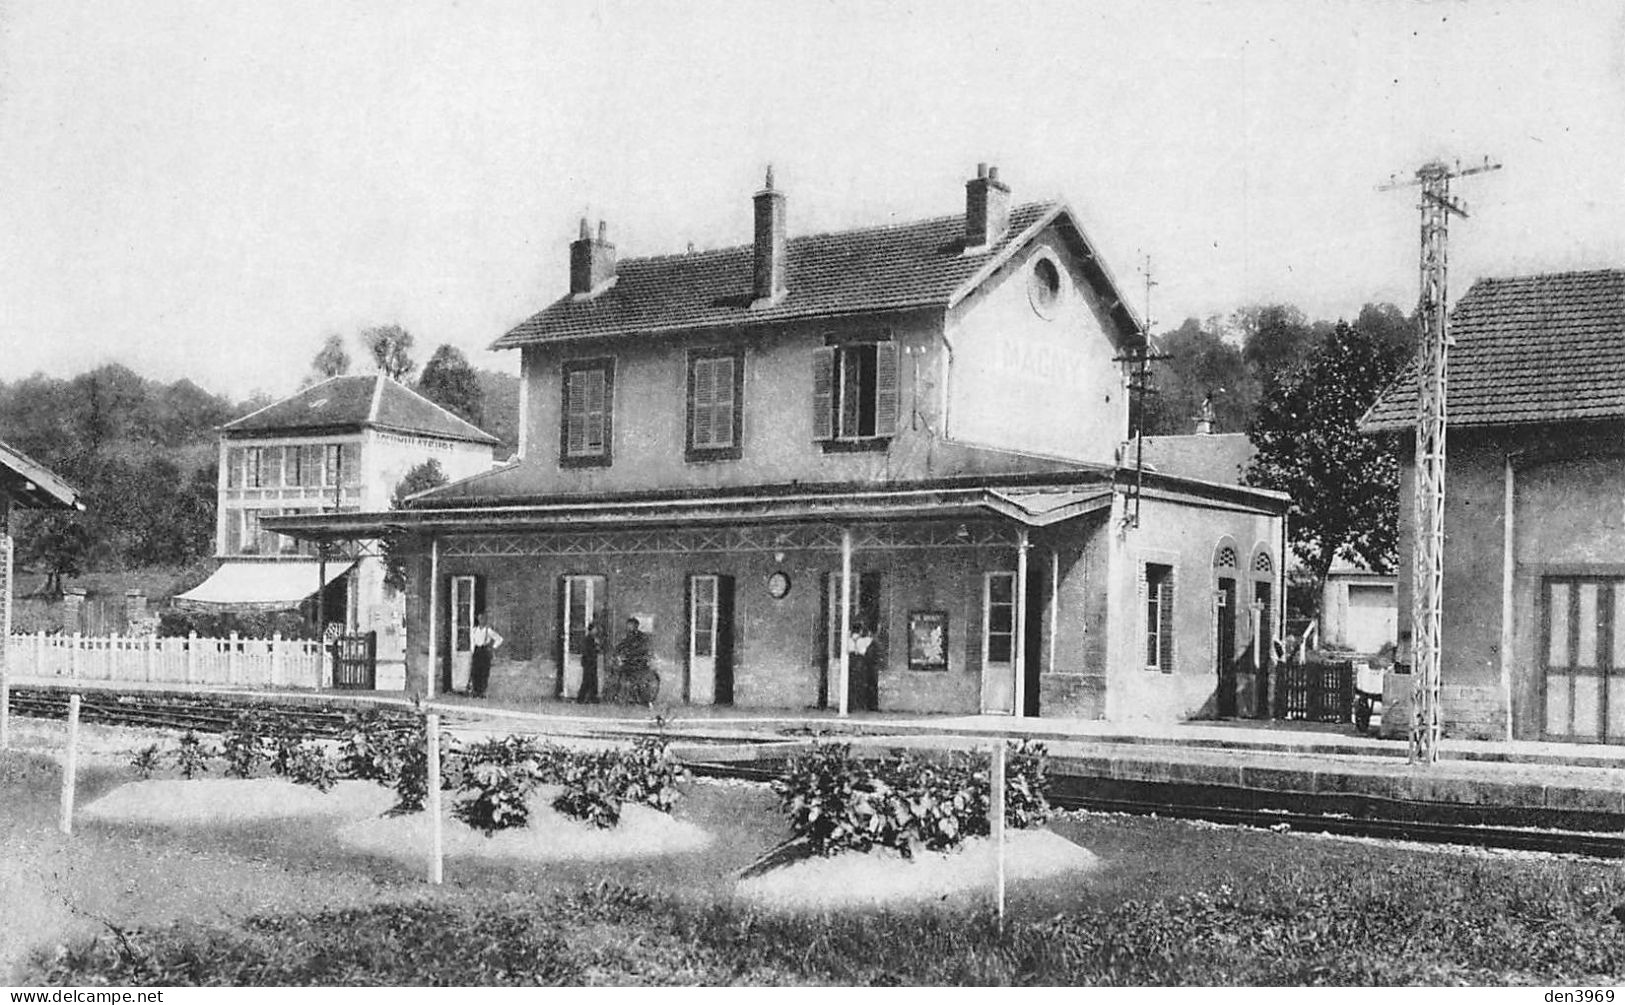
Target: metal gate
{"points": [[355, 662], [1314, 692]]}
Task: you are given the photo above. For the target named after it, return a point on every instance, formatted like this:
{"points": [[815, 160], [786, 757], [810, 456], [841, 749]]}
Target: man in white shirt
{"points": [[486, 640]]}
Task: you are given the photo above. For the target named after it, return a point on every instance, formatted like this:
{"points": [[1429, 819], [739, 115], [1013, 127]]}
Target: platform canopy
{"points": [[31, 484], [261, 586]]}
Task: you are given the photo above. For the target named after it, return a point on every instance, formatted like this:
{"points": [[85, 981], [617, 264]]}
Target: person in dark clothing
{"points": [[592, 646], [638, 681], [486, 641]]}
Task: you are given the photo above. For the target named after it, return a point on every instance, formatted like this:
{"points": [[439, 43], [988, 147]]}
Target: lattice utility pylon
{"points": [[1433, 341]]}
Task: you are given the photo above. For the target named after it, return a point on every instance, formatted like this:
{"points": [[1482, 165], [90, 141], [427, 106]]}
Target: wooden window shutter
{"points": [[702, 402], [234, 467], [597, 410], [722, 418], [1165, 634], [823, 393], [886, 389], [575, 412]]}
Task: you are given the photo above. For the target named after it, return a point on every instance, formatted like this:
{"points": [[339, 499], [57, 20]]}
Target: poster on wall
{"points": [[928, 640]]}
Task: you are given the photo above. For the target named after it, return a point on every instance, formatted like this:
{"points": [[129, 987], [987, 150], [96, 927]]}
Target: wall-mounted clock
{"points": [[778, 585]]}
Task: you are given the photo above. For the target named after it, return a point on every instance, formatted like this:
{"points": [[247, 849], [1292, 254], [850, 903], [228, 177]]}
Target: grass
{"points": [[1176, 903]]}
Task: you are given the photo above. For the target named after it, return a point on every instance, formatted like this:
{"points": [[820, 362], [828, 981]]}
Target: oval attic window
{"points": [[1044, 286]]}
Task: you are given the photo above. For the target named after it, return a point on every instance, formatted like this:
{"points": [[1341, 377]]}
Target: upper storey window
{"points": [[855, 391], [715, 397], [589, 400]]}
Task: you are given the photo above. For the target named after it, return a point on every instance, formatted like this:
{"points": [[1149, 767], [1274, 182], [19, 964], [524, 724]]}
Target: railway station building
{"points": [[1533, 620], [879, 468]]}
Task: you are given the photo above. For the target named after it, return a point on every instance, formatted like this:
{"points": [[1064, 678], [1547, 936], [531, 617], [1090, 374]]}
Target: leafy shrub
{"points": [[244, 744], [501, 774], [592, 787], [310, 763], [373, 745], [146, 761], [192, 757], [836, 801], [646, 775]]}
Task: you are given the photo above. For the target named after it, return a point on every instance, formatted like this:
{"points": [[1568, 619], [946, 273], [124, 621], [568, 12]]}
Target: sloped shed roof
{"points": [[1528, 349]]}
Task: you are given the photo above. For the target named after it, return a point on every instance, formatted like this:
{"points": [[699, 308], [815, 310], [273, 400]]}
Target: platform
{"points": [[1298, 766]]}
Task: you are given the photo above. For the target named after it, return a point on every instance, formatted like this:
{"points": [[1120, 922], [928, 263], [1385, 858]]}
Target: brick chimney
{"points": [[987, 208], [768, 285], [592, 261]]}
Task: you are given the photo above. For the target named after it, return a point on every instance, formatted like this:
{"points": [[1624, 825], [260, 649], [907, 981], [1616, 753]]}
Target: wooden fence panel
{"points": [[241, 662]]}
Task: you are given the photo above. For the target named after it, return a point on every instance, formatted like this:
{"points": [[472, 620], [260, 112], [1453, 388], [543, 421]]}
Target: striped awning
{"points": [[261, 586]]}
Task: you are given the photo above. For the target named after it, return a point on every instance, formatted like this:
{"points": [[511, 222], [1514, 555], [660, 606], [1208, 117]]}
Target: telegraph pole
{"points": [[1433, 342], [1139, 387]]}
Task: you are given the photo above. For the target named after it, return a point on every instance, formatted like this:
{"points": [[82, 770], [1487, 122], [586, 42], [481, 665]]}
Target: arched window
{"points": [[1224, 557]]}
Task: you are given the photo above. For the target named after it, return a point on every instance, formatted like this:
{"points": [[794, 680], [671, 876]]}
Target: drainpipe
{"points": [[1020, 661], [1508, 541], [432, 671], [846, 617]]}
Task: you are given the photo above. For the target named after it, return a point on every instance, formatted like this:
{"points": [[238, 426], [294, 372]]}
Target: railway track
{"points": [[210, 715], [1066, 794], [202, 714]]}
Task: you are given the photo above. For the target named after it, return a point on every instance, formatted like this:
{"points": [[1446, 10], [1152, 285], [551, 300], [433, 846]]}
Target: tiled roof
{"points": [[371, 400], [1527, 349], [907, 265], [1210, 457]]}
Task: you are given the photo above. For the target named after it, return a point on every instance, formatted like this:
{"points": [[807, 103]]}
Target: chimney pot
{"points": [[987, 209], [768, 274], [592, 261]]}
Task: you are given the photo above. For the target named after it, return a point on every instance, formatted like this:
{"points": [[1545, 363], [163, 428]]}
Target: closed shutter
{"points": [[597, 411], [886, 389], [234, 467], [1165, 634], [702, 403], [722, 419], [823, 393], [575, 413]]}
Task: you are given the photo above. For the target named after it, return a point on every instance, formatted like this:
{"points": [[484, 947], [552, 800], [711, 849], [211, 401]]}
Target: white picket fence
{"points": [[241, 662]]}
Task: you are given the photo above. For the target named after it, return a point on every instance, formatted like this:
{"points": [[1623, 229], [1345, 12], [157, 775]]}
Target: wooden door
{"points": [[1224, 645], [863, 675], [582, 600], [461, 636], [1583, 659], [999, 643], [703, 611]]}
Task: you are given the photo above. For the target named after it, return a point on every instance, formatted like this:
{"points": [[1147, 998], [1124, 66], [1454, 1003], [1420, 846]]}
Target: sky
{"points": [[208, 190]]}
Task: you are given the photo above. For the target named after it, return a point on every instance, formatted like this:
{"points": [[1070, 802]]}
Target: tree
{"points": [[1275, 337], [331, 360], [1344, 486], [450, 382], [391, 349], [422, 478], [1201, 363], [54, 543]]}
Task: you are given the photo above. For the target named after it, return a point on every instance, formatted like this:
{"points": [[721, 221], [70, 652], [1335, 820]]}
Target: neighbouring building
{"points": [[341, 445], [908, 433], [1533, 629], [1359, 611]]}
